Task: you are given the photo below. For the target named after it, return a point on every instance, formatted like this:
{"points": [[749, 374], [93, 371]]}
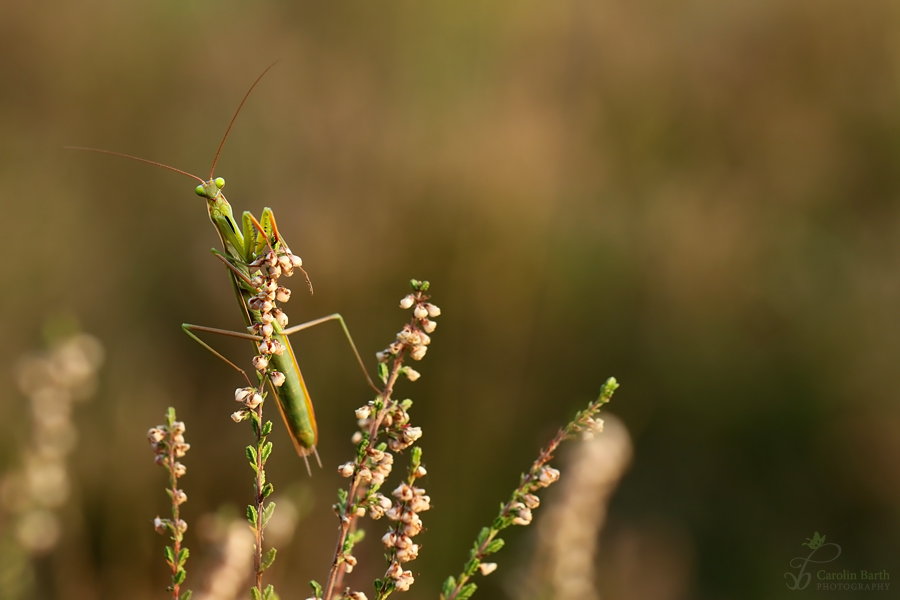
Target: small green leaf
{"points": [[266, 451], [471, 567], [187, 595], [170, 555], [383, 372], [448, 586], [170, 415], [316, 588], [342, 499], [466, 592], [179, 577], [267, 428], [483, 535], [269, 593], [416, 457], [268, 559], [493, 546], [251, 456], [183, 556], [267, 513], [267, 490], [254, 593], [252, 515]]}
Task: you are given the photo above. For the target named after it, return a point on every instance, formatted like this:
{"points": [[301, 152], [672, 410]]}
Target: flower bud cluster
{"points": [[414, 336], [394, 422], [168, 444], [266, 270], [411, 501]]}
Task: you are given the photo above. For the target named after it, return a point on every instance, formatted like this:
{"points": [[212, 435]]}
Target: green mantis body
{"points": [[243, 249]]}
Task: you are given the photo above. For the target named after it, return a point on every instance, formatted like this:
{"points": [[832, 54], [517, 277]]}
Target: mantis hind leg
{"points": [[336, 317], [189, 329]]}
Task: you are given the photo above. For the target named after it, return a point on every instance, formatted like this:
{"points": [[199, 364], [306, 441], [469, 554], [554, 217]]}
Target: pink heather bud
{"points": [[487, 568], [523, 517], [269, 286], [381, 356], [180, 526], [239, 416], [433, 311], [346, 469], [265, 347], [181, 449], [242, 394], [395, 571], [357, 596], [420, 472], [548, 475], [356, 438], [277, 347], [156, 435], [411, 373], [257, 281], [404, 582], [408, 554], [421, 312], [420, 504], [179, 497], [394, 513], [160, 525], [363, 412], [389, 539], [178, 429], [280, 317], [404, 493], [365, 474], [411, 434], [267, 318], [424, 339], [266, 330], [260, 363], [360, 511], [284, 261], [531, 501], [428, 325], [178, 439], [296, 261], [277, 378], [254, 400], [161, 459], [179, 469], [407, 302], [376, 455], [395, 348], [282, 294], [274, 271], [418, 352]]}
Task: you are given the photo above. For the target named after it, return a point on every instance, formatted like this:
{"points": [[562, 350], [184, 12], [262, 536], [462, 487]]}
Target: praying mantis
{"points": [[255, 255]]}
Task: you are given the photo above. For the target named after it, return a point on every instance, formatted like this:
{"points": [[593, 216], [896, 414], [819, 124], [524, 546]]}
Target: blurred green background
{"points": [[698, 197]]}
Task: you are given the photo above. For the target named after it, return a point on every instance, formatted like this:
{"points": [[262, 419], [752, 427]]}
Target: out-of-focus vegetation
{"points": [[700, 198]]}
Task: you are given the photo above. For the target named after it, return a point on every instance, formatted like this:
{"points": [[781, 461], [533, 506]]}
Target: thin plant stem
{"points": [[348, 519]]}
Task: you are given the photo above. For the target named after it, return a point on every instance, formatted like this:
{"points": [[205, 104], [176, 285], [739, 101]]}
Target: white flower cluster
{"points": [[374, 469], [265, 273], [411, 500], [395, 422], [413, 337], [168, 444]]}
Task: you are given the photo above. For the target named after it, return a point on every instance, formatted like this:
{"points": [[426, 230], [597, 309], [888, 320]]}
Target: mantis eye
{"points": [[220, 182], [200, 191]]}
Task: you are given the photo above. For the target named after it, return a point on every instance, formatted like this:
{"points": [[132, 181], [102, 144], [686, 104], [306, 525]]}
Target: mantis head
{"points": [[210, 189]]}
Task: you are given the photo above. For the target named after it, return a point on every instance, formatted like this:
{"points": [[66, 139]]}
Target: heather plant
{"points": [[385, 434]]}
